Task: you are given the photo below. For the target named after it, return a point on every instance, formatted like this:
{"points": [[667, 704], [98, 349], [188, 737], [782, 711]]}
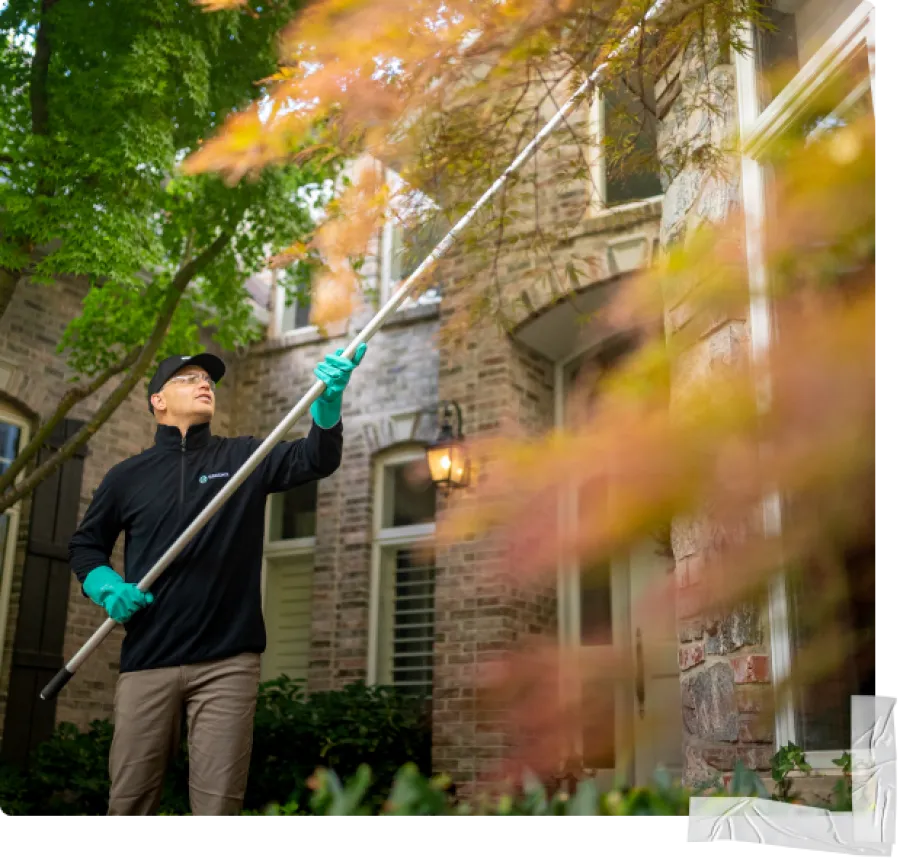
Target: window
{"points": [[295, 315], [822, 714], [407, 239], [290, 314], [402, 611], [13, 437], [823, 719], [293, 513], [796, 30], [288, 561], [811, 76], [623, 112]]}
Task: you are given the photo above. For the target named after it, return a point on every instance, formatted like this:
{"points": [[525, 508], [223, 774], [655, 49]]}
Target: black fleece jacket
{"points": [[207, 603]]}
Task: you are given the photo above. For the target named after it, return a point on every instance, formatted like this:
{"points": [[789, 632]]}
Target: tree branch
{"points": [[71, 398], [179, 283]]}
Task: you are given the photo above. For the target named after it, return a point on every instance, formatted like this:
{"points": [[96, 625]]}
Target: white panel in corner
{"points": [[628, 254]]}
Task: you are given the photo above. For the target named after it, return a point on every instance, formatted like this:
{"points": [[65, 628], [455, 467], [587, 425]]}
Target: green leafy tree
{"points": [[102, 102]]}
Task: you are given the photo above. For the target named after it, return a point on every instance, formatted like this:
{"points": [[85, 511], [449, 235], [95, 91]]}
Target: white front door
{"points": [[657, 684], [611, 613]]}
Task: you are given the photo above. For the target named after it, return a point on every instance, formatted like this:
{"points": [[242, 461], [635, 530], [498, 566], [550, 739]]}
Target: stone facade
{"points": [[723, 657]]}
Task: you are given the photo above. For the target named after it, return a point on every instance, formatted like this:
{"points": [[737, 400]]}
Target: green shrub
{"points": [[294, 734], [358, 751], [67, 774], [338, 730], [414, 794]]}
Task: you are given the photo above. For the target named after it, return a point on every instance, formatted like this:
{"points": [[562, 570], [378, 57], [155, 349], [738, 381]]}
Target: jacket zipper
{"points": [[181, 482]]}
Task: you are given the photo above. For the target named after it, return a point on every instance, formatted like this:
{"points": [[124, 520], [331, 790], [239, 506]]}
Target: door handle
{"points": [[639, 679]]}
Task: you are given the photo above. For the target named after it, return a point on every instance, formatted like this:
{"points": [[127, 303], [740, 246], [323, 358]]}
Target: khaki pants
{"points": [[220, 701]]}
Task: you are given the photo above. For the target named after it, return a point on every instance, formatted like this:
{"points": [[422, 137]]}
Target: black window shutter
{"points": [[41, 624]]}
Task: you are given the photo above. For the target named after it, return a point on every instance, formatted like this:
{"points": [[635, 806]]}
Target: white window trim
{"points": [[596, 157], [387, 255], [304, 547], [758, 130], [8, 560], [386, 283], [279, 307], [568, 592], [386, 537]]}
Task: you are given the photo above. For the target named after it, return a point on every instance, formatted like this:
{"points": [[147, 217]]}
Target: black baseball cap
{"points": [[213, 365]]}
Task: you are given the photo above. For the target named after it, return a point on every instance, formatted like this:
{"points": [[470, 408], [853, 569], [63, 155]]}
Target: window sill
{"points": [[278, 547], [297, 337], [415, 311], [618, 217]]}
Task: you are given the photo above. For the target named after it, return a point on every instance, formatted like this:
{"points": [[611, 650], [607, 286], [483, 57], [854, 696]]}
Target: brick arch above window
{"points": [[602, 251], [20, 393], [558, 330]]}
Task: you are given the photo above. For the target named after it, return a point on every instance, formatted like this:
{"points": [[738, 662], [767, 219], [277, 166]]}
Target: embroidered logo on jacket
{"points": [[207, 477]]}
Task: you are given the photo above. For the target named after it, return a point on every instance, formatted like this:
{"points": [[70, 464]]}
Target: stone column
{"points": [[724, 654]]}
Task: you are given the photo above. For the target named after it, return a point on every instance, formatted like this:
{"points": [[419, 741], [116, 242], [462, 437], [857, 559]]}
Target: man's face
{"points": [[187, 394]]}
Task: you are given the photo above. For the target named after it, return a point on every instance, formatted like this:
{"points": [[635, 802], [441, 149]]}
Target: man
{"points": [[194, 641]]}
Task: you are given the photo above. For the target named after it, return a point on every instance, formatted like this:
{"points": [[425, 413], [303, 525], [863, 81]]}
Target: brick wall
{"points": [[29, 332], [398, 377], [484, 611], [36, 380]]}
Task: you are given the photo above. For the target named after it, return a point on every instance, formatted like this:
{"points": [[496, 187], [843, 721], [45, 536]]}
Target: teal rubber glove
{"points": [[335, 372], [119, 599]]}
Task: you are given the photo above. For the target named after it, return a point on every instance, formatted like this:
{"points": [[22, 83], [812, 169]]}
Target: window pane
{"points": [[832, 604], [794, 31], [288, 614], [9, 444], [296, 315], [777, 58], [409, 494], [632, 163], [596, 605], [406, 638], [833, 629], [411, 244], [293, 513]]}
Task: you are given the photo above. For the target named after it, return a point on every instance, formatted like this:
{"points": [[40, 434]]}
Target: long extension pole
{"points": [[364, 336]]}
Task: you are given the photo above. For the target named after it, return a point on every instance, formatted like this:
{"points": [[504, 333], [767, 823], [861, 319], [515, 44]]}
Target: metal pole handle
{"points": [[364, 336]]}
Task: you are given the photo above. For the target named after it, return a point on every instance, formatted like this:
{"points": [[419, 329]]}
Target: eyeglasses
{"points": [[192, 378]]}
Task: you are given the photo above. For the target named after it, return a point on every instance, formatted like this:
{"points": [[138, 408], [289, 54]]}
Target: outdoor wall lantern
{"points": [[447, 458]]}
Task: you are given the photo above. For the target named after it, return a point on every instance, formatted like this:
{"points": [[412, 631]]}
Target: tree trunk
{"points": [[8, 281]]}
